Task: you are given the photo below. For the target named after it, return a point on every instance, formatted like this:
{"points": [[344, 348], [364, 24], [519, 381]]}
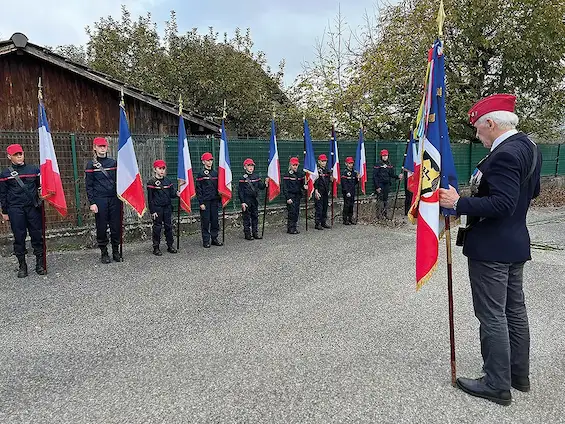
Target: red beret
{"points": [[322, 157], [207, 156], [13, 149], [248, 161], [496, 102], [100, 141], [294, 161], [384, 152], [349, 159], [159, 163]]}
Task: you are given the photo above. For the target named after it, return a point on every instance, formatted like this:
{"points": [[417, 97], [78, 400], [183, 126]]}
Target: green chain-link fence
{"points": [[74, 150]]}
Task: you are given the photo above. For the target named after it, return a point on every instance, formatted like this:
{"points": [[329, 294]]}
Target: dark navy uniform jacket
{"points": [[160, 191], [249, 187], [497, 213], [97, 184], [12, 195], [293, 184], [348, 181], [323, 183], [207, 185], [383, 172]]}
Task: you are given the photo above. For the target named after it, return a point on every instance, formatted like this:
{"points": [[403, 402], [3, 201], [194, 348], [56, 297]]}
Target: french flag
{"points": [[334, 162], [185, 179], [361, 161], [274, 170], [50, 177], [310, 165], [224, 169], [129, 185]]}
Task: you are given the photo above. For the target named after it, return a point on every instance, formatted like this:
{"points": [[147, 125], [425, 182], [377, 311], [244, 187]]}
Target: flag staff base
{"points": [[178, 225], [450, 300]]}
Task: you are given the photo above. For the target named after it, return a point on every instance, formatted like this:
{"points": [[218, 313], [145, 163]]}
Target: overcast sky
{"points": [[283, 29]]}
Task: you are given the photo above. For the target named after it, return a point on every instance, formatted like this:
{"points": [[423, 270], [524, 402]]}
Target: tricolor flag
{"points": [[334, 162], [129, 185], [310, 165], [185, 179], [274, 170], [50, 177], [435, 160], [361, 162], [224, 169]]}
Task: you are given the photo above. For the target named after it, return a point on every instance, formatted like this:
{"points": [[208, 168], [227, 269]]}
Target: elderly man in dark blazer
{"points": [[497, 244]]}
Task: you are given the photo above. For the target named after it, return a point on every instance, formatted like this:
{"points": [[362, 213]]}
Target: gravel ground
{"points": [[259, 332]]}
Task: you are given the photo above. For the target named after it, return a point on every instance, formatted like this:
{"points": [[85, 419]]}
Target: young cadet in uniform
{"points": [[248, 191], [100, 181], [348, 186], [383, 173], [293, 186], [160, 191], [19, 197], [321, 193], [208, 198]]}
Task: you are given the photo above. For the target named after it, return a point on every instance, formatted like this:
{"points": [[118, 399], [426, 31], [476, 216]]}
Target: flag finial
{"points": [[39, 91], [440, 18], [224, 114], [180, 104]]}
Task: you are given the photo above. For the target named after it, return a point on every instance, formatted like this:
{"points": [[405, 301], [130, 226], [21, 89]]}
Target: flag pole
{"points": [[122, 104], [332, 154], [266, 195], [306, 193], [43, 223], [179, 204], [221, 200], [440, 20]]}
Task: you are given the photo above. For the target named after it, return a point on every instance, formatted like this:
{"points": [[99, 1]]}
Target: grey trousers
{"points": [[498, 299]]}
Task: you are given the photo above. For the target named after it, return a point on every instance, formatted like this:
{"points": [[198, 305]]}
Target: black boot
{"points": [[325, 225], [171, 249], [318, 227], [116, 254], [157, 251], [257, 236], [22, 271], [216, 242], [104, 257], [248, 236], [39, 265], [351, 221]]}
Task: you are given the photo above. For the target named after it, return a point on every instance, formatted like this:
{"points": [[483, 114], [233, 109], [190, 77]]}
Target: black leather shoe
{"points": [[295, 231], [318, 227], [206, 244], [521, 383], [157, 251], [345, 222], [257, 236], [22, 270], [248, 237], [171, 249], [480, 389], [216, 242], [326, 225], [352, 222], [104, 257]]}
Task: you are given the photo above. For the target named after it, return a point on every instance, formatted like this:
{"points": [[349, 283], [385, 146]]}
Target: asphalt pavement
{"points": [[320, 327]]}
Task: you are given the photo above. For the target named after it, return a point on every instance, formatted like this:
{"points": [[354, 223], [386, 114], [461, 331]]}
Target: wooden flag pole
{"points": [[178, 225], [43, 224], [264, 212], [450, 299]]}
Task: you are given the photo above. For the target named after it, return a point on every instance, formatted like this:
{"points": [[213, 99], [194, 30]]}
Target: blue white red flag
{"points": [[185, 178], [129, 185], [361, 162], [50, 177], [310, 165], [224, 169], [274, 169], [433, 167], [334, 163]]}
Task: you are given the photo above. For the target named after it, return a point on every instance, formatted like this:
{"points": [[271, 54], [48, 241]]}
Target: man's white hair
{"points": [[503, 119]]}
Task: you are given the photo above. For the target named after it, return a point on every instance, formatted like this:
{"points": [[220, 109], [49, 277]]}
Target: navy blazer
{"points": [[497, 213]]}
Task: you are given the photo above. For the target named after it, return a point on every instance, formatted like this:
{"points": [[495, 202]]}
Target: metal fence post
{"points": [[75, 174]]}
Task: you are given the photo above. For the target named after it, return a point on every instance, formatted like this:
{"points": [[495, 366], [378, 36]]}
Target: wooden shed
{"points": [[78, 98]]}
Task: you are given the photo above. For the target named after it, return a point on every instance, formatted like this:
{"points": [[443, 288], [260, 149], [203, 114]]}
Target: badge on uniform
{"points": [[157, 183], [349, 174], [291, 172], [245, 175], [206, 172]]}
